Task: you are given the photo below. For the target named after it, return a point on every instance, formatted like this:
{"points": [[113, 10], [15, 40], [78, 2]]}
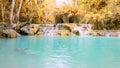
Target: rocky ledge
{"points": [[55, 30]]}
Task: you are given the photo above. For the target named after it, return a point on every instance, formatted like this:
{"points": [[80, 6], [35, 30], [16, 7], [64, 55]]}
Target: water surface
{"points": [[60, 52]]}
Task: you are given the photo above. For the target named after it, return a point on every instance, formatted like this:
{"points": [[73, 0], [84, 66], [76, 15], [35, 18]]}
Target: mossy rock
{"points": [[40, 33], [63, 33], [77, 33]]}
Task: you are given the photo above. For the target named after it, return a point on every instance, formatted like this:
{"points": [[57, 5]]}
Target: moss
{"points": [[67, 28], [77, 33]]}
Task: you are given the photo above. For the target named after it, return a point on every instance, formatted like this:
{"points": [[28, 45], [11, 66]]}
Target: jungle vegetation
{"points": [[102, 14]]}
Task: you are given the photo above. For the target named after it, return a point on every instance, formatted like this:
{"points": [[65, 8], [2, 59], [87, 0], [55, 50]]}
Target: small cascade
{"points": [[119, 34], [50, 29], [84, 29], [107, 34]]}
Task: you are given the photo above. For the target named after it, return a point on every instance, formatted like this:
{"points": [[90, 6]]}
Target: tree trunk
{"points": [[75, 3], [32, 16], [11, 12], [18, 13], [3, 11]]}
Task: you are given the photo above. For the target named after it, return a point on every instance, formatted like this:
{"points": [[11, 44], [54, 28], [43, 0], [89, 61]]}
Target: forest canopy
{"points": [[102, 14]]}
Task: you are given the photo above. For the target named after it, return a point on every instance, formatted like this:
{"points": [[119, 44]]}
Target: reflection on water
{"points": [[60, 52]]}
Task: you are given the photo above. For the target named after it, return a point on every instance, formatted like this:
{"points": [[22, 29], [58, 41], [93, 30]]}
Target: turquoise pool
{"points": [[60, 52]]}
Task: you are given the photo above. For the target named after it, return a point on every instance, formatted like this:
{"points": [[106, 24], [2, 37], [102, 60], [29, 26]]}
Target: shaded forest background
{"points": [[102, 14]]}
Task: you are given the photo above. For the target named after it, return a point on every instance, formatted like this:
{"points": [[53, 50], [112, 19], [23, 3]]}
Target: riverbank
{"points": [[55, 30]]}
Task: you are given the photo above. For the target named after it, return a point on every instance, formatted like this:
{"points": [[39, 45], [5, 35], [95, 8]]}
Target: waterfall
{"points": [[84, 29], [118, 33], [50, 29], [107, 34]]}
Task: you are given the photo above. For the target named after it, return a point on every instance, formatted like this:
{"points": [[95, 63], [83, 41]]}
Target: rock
{"points": [[1, 36], [35, 27], [30, 30], [10, 33], [63, 32], [94, 33], [114, 34], [26, 30], [40, 33], [16, 27], [7, 32], [101, 33], [76, 33], [67, 28], [87, 33]]}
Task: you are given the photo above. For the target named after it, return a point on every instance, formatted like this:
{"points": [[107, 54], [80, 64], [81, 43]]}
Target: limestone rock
{"points": [[35, 27], [10, 33], [40, 33], [114, 34], [30, 29], [26, 30], [63, 32]]}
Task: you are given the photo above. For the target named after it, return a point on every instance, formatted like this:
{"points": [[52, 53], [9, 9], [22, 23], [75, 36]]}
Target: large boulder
{"points": [[7, 32], [35, 28], [10, 33], [26, 30], [30, 29]]}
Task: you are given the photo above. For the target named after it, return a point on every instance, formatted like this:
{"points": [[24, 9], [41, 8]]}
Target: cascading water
{"points": [[50, 29], [84, 29], [119, 34]]}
